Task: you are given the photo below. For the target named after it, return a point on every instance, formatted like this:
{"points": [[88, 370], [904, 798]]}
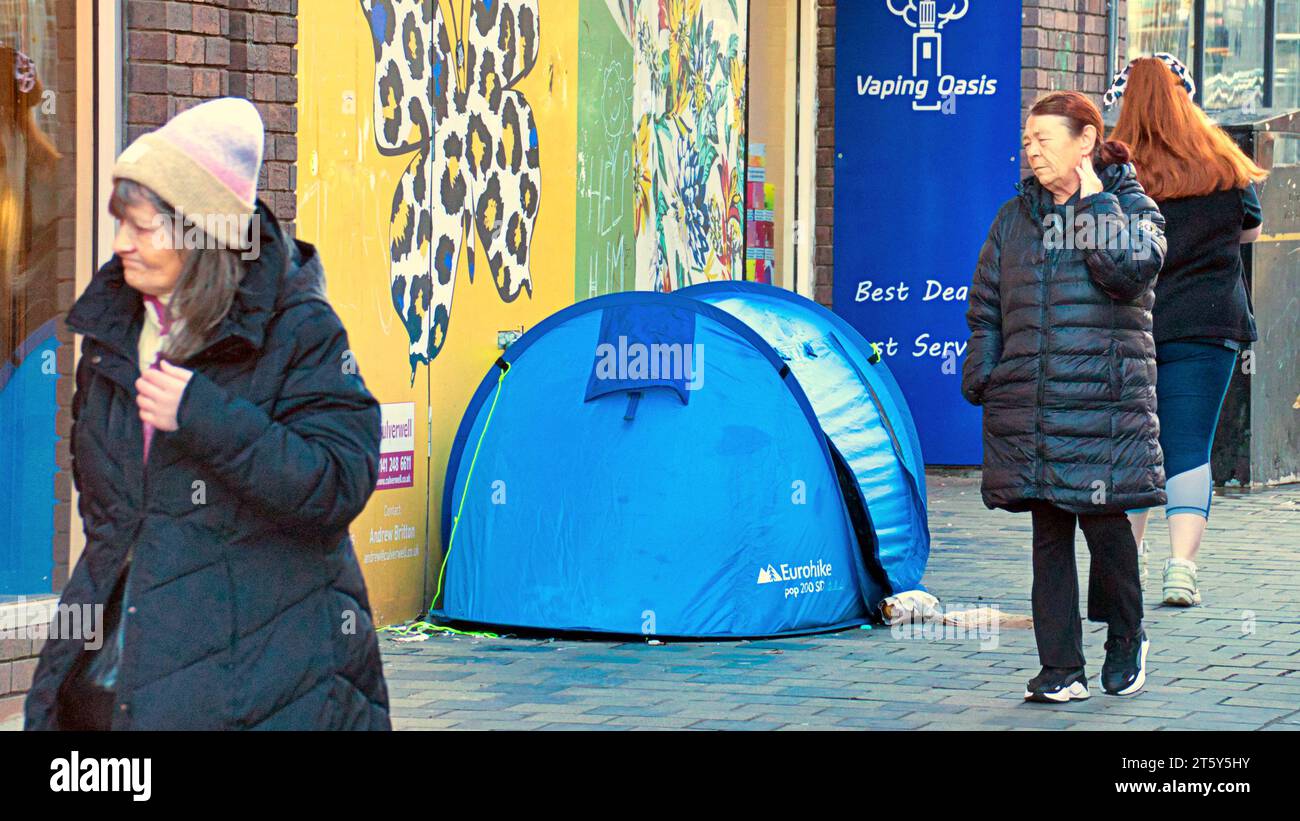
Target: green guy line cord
{"points": [[425, 626]]}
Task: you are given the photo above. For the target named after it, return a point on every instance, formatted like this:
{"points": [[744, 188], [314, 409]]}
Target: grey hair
{"points": [[209, 279]]}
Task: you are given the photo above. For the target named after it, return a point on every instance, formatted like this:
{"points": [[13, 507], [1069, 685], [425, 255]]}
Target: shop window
{"points": [[1286, 62], [38, 235], [1161, 25], [1234, 54], [776, 188]]}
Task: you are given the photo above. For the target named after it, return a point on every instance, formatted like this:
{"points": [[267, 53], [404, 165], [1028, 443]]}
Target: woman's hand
{"points": [[1089, 182], [159, 395]]}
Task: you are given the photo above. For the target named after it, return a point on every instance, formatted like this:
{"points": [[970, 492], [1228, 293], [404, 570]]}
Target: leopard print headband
{"points": [[1182, 72], [24, 72]]}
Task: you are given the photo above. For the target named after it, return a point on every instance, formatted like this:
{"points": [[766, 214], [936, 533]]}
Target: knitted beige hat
{"points": [[204, 162]]}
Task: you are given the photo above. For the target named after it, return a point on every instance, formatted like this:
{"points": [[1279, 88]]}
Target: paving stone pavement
{"points": [[1229, 664]]}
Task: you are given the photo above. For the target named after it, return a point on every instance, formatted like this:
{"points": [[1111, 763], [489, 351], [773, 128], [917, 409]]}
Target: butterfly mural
{"points": [[445, 94]]}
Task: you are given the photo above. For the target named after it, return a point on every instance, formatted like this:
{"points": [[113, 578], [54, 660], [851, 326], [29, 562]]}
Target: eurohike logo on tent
{"points": [[811, 570], [769, 574]]}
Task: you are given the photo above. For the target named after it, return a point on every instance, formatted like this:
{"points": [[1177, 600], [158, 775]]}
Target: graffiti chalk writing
{"points": [[604, 175]]}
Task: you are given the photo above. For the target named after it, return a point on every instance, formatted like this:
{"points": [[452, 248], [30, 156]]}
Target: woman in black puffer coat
{"points": [[222, 443], [1062, 359]]}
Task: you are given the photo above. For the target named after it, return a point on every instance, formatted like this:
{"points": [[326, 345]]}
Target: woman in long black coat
{"points": [[222, 443], [1062, 359]]}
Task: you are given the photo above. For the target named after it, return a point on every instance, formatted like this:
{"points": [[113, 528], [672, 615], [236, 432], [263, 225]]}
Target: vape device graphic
{"points": [[927, 42], [927, 62]]}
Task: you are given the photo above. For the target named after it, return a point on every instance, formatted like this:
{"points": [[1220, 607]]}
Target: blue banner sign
{"points": [[927, 141]]}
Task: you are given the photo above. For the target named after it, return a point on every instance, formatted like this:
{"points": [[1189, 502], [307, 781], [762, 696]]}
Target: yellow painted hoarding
{"points": [[467, 168]]}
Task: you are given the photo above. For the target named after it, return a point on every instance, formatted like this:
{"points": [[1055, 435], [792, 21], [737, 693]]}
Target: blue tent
{"points": [[731, 460]]}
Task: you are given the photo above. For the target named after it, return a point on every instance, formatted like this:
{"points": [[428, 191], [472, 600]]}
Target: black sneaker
{"points": [[1125, 670], [1057, 685]]}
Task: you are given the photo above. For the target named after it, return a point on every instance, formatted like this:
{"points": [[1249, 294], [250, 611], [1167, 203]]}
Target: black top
{"points": [[1201, 293]]}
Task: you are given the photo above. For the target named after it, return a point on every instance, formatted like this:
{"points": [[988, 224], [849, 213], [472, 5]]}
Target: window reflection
{"points": [[1160, 25], [37, 268], [1286, 62], [1234, 54]]}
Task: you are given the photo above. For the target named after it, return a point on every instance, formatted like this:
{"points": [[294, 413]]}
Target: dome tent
{"points": [[654, 463]]}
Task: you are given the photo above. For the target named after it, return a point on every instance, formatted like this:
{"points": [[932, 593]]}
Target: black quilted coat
{"points": [[1061, 354], [247, 605]]}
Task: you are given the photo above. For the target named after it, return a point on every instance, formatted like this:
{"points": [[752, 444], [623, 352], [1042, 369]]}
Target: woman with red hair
{"points": [[1204, 185]]}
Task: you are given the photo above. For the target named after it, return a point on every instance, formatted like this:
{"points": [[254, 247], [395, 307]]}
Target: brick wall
{"points": [[824, 258], [17, 665], [1063, 46], [64, 84], [182, 52]]}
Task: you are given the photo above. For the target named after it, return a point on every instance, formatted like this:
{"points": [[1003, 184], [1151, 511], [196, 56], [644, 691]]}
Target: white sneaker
{"points": [[1180, 584]]}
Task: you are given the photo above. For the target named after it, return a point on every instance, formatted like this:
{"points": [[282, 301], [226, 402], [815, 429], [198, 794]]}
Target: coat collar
{"points": [[110, 311], [1039, 201]]}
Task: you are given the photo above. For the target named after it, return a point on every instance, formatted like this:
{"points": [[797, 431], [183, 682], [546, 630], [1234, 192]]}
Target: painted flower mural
{"points": [[689, 141], [445, 93]]}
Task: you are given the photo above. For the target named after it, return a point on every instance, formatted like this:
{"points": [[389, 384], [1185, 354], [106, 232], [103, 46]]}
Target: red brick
{"points": [[255, 59], [207, 20], [149, 45], [240, 28], [279, 59], [11, 706], [147, 78], [179, 17], [238, 57], [286, 30], [207, 82], [217, 51], [263, 28], [264, 88], [146, 14], [189, 48], [22, 671], [279, 117], [286, 89], [179, 80], [11, 649], [286, 148], [277, 176], [241, 84], [146, 109], [287, 205]]}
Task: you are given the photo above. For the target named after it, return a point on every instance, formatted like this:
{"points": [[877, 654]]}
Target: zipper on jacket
{"points": [[125, 613], [1050, 258]]}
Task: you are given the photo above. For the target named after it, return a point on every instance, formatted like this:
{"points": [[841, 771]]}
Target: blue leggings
{"points": [[1191, 381]]}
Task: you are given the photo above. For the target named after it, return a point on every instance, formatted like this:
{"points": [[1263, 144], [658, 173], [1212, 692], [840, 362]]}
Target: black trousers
{"points": [[1114, 589]]}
